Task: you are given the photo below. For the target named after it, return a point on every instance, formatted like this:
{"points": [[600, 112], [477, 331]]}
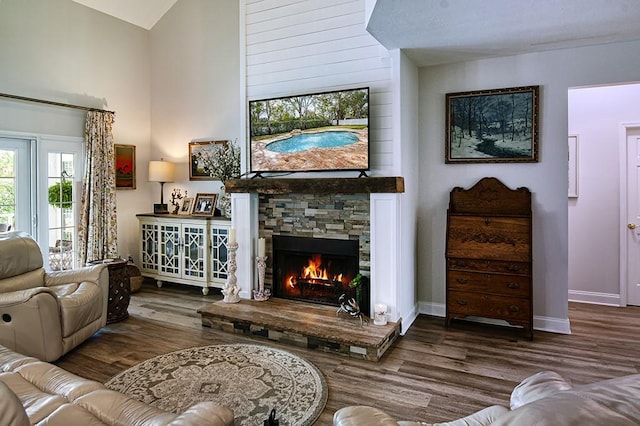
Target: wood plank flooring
{"points": [[431, 373]]}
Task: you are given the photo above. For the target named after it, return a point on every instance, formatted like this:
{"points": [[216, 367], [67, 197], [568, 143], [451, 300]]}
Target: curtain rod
{"points": [[60, 104]]}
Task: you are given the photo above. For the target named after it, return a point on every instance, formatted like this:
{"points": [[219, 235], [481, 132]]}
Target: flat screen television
{"points": [[326, 131]]}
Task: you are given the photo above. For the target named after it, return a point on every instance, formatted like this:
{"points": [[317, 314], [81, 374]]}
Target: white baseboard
{"points": [[608, 299], [410, 318], [552, 325]]}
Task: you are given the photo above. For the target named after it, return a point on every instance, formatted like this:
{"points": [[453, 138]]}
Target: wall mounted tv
{"points": [[325, 131]]}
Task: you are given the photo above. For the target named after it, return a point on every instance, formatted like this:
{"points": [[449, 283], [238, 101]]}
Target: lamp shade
{"points": [[161, 171]]}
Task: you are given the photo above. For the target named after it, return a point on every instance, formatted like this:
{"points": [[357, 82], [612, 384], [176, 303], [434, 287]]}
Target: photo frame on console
{"points": [[492, 126], [186, 206], [204, 204]]}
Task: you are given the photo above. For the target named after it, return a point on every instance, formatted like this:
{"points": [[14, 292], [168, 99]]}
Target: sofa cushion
{"points": [[19, 253], [24, 281], [115, 408], [36, 403], [52, 379], [11, 410]]}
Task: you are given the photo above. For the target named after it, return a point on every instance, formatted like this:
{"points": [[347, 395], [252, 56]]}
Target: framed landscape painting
{"points": [[125, 166], [492, 126]]}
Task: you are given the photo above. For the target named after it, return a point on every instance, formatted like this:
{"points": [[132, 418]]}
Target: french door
{"points": [[40, 187], [17, 200]]}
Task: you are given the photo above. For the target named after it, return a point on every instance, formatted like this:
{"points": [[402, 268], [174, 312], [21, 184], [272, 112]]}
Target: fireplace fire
{"points": [[316, 270]]}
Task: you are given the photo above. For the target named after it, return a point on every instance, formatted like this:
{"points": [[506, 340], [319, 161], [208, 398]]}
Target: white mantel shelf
{"points": [[359, 185]]}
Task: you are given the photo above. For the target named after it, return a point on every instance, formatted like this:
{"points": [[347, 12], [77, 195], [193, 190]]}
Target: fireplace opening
{"points": [[316, 270]]}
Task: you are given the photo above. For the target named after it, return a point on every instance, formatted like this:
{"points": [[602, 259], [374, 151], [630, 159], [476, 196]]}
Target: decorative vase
{"points": [[225, 202]]}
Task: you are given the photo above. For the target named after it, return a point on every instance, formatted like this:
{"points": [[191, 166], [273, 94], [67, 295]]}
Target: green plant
{"points": [[356, 283], [61, 194]]}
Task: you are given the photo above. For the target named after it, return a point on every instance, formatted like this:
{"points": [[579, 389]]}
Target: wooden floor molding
{"points": [[306, 325], [430, 374]]}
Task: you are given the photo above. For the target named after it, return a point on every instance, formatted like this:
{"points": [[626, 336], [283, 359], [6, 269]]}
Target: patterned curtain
{"points": [[97, 230]]}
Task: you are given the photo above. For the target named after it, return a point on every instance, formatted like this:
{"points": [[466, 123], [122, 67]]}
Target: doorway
{"points": [[598, 215], [630, 215]]}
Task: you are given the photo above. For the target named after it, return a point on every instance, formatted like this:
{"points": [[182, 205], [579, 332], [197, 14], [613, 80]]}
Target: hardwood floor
{"points": [[431, 373]]}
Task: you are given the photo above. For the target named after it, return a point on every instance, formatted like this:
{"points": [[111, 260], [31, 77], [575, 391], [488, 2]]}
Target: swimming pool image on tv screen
{"points": [[323, 131], [304, 141]]}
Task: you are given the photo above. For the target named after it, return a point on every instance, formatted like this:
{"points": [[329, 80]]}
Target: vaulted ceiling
{"points": [[434, 32]]}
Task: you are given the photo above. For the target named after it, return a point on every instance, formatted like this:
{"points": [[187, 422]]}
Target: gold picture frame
{"points": [[492, 126], [199, 154]]}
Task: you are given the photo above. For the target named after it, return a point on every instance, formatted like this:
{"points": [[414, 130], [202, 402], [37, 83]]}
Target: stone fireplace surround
{"points": [[365, 209]]}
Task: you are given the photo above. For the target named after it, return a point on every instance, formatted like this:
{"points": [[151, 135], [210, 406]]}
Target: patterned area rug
{"points": [[250, 379]]}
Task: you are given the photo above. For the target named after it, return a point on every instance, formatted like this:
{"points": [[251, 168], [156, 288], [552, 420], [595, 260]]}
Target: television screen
{"points": [[313, 132]]}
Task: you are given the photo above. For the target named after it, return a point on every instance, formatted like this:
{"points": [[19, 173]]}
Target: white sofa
{"points": [[43, 314], [544, 399]]}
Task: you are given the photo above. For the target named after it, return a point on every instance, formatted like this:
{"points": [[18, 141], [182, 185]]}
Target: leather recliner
{"points": [[46, 314]]}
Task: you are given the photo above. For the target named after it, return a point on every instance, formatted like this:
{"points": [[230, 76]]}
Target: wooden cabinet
{"points": [[488, 254], [189, 250]]}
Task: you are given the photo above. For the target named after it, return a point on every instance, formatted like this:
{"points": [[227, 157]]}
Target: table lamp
{"points": [[161, 171]]}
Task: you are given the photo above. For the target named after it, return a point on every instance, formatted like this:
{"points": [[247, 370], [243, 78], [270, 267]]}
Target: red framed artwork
{"points": [[125, 166]]}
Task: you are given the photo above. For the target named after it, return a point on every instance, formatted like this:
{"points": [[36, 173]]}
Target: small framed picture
{"points": [[201, 156], [125, 166], [185, 206], [204, 204]]}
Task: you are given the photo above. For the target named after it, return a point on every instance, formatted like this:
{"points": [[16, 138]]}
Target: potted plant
{"points": [[358, 283], [61, 194]]}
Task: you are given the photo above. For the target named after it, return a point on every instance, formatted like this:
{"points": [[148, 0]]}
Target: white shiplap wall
{"points": [[306, 46]]}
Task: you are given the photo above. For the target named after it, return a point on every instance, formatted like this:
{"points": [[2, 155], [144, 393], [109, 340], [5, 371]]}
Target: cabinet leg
{"points": [[159, 283], [205, 290]]}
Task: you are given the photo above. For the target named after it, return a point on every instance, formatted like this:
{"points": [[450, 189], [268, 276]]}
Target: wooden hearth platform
{"points": [[302, 324]]}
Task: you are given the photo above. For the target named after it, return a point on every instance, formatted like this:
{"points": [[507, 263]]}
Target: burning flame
{"points": [[312, 271]]}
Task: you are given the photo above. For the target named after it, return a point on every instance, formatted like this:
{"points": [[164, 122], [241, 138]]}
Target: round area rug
{"points": [[250, 379]]}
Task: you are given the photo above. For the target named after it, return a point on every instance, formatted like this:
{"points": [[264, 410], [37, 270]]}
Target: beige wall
{"points": [[195, 84], [65, 52]]}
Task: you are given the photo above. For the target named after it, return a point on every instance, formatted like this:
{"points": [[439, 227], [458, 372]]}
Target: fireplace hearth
{"points": [[316, 270]]}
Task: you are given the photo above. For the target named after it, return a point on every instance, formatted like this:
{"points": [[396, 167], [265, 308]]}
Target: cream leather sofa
{"points": [[36, 392], [544, 399], [47, 314]]}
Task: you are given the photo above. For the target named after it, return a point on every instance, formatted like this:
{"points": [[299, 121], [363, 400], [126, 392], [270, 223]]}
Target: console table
{"points": [[183, 249]]}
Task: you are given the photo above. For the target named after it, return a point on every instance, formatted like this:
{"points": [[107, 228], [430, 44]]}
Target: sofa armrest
{"points": [[538, 386], [94, 273], [21, 296], [358, 415], [205, 413]]}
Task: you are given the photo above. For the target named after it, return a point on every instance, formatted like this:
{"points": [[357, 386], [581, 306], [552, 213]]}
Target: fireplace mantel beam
{"points": [[360, 185]]}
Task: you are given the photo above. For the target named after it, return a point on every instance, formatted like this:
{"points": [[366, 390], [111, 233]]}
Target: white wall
{"points": [[406, 150], [310, 46], [195, 85], [62, 51], [595, 116], [555, 72]]}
